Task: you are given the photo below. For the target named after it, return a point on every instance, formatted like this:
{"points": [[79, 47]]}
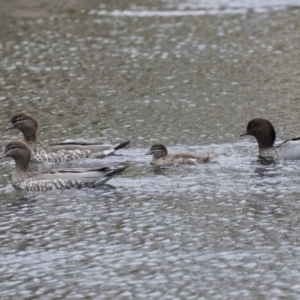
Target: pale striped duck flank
{"points": [[161, 156], [59, 152], [265, 135], [54, 179]]}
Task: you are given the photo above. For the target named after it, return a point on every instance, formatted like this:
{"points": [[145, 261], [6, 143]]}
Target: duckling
{"points": [[161, 156]]}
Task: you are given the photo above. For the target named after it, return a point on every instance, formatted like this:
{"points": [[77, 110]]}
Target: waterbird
{"points": [[58, 152], [265, 135], [53, 179], [161, 156]]}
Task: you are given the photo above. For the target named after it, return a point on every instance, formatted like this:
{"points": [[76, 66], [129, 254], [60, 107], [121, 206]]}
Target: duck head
{"points": [[263, 131], [26, 123], [19, 151], [158, 150]]}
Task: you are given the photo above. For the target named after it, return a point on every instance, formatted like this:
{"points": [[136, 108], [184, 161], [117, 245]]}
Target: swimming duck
{"points": [[265, 135], [161, 156], [64, 151], [54, 179]]}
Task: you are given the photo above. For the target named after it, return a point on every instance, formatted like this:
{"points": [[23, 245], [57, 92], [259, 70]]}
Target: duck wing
{"points": [[68, 178], [97, 148], [185, 155], [290, 149], [188, 157]]}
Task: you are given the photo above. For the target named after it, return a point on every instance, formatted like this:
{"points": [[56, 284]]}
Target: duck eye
{"points": [[12, 147], [18, 120]]}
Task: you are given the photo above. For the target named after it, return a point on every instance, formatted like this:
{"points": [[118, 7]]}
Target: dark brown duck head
{"points": [[263, 131], [158, 150], [26, 123], [20, 152]]}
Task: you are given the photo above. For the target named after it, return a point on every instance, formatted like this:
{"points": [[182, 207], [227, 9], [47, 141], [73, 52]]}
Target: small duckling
{"points": [[162, 158]]}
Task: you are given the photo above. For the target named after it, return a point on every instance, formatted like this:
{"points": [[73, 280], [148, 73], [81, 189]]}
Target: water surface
{"points": [[226, 230]]}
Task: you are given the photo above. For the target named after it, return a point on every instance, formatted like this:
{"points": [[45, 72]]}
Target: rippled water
{"points": [[225, 230]]}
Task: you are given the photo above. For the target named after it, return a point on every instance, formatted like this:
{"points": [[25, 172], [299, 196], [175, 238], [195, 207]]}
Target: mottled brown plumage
{"points": [[54, 179], [58, 152]]}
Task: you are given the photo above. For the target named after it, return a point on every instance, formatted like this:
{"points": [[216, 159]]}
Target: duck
{"points": [[161, 157], [265, 135], [58, 152], [53, 179]]}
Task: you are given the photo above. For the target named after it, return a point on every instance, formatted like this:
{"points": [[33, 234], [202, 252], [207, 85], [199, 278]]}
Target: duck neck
{"points": [[22, 164], [30, 136], [264, 142]]}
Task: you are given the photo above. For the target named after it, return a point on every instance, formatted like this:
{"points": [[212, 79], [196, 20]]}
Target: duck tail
{"points": [[120, 145], [211, 157], [110, 175], [206, 158]]}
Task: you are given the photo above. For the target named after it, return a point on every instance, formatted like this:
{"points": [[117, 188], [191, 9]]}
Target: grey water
{"points": [[189, 74]]}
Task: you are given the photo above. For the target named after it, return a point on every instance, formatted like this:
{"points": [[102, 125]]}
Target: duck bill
{"points": [[244, 133], [148, 153], [3, 154], [9, 126]]}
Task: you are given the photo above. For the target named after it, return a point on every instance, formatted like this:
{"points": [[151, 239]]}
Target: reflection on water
{"points": [[226, 230], [267, 167]]}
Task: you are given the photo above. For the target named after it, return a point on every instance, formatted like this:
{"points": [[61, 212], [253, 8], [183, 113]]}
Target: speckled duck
{"points": [[54, 179], [58, 152], [161, 156]]}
